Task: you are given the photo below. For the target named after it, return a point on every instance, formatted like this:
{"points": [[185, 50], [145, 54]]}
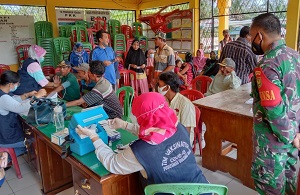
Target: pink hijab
{"points": [[200, 60], [157, 121]]}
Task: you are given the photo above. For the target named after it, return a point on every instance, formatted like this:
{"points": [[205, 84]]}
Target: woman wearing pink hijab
{"points": [[199, 60], [162, 153]]}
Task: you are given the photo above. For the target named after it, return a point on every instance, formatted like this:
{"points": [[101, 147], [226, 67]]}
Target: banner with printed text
{"points": [[90, 15], [68, 17]]}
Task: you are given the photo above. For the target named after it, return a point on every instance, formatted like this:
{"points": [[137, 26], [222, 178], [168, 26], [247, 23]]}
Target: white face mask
{"points": [[160, 90], [151, 55]]}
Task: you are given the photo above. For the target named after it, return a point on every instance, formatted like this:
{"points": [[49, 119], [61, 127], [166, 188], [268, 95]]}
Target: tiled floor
{"points": [[30, 184]]}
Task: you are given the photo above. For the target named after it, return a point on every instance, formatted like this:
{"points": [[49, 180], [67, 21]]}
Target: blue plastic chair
{"points": [[185, 188]]}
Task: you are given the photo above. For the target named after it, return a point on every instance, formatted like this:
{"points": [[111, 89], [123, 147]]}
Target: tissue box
{"points": [[59, 137]]}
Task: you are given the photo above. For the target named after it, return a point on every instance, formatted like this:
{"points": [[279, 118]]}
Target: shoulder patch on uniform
{"points": [[269, 93]]}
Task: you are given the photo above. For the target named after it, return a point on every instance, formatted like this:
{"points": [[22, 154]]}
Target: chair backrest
{"points": [[127, 31], [87, 47], [62, 45], [62, 48], [79, 33], [129, 43], [185, 188], [22, 51], [3, 68], [114, 27], [126, 95], [119, 43], [83, 23], [250, 77], [126, 78], [192, 94], [100, 23], [65, 30], [201, 83], [137, 29], [43, 29], [57, 70], [48, 70], [198, 113], [92, 36], [47, 44]]}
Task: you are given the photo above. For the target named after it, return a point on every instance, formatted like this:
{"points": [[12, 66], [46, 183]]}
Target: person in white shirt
{"points": [[168, 86], [162, 152], [11, 131], [225, 79]]}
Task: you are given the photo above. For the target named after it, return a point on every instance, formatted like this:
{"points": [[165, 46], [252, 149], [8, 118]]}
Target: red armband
{"points": [[269, 93]]}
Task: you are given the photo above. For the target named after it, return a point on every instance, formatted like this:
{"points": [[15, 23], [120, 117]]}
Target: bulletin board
{"points": [[15, 30], [180, 40]]}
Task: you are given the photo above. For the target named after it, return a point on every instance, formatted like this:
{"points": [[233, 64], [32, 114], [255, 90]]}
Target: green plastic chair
{"points": [[114, 27], [43, 29], [83, 23], [65, 30], [62, 48], [87, 47], [119, 43], [126, 101], [137, 29], [143, 42], [47, 44], [79, 33], [185, 188]]}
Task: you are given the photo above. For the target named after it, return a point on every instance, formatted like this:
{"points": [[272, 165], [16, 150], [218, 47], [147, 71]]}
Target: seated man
{"points": [[86, 83], [101, 94], [225, 79], [211, 67], [68, 86], [168, 86]]}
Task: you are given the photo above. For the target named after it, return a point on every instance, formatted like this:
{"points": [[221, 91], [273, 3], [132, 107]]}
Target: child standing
{"points": [[177, 70], [188, 69]]}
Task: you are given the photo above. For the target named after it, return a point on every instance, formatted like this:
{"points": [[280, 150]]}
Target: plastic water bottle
{"points": [[58, 118]]}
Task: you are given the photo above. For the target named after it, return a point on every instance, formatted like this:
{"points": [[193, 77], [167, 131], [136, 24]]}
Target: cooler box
{"points": [[87, 118]]}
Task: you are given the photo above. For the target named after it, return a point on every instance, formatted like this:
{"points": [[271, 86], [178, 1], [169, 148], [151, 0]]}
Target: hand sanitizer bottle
{"points": [[58, 118]]}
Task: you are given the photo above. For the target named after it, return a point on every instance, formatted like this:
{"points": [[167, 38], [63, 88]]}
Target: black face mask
{"points": [[256, 48]]}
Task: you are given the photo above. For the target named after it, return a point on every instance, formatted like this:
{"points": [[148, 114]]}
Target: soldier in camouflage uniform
{"points": [[276, 104]]}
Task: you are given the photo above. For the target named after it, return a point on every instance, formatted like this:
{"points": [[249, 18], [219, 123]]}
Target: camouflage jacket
{"points": [[276, 115]]}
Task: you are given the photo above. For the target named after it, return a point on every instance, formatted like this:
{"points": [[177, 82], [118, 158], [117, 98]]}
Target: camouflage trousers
{"points": [[274, 173]]}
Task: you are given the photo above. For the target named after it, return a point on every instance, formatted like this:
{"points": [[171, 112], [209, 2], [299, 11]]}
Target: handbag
{"points": [[41, 111]]}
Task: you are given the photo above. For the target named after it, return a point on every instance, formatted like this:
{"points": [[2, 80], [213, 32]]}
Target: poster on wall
{"points": [[14, 31], [90, 15], [68, 17]]}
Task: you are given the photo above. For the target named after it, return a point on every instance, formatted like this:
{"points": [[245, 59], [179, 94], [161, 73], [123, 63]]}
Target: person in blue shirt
{"points": [[105, 54], [78, 55]]}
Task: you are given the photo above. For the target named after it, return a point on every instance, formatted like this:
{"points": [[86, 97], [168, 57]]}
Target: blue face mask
{"points": [[14, 89], [42, 60]]}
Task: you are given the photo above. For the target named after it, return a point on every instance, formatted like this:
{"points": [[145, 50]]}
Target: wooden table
{"points": [[228, 118], [85, 173]]}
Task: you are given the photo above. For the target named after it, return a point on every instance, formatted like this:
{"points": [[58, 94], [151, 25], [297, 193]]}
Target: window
{"points": [[38, 13], [168, 9]]}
